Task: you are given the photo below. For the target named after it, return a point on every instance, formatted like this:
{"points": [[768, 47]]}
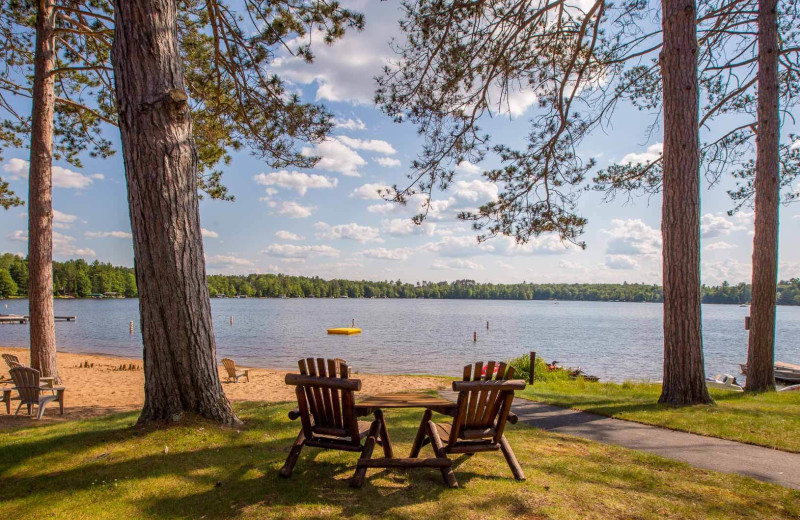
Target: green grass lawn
{"points": [[771, 419], [107, 468]]}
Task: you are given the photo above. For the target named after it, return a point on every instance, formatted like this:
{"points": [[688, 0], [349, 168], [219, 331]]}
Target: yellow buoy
{"points": [[344, 330]]}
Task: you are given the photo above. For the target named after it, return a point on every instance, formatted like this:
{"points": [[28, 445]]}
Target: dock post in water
{"points": [[131, 327], [475, 336], [487, 325], [531, 369]]}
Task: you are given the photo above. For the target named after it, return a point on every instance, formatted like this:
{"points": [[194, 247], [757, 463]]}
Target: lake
{"points": [[613, 340]]}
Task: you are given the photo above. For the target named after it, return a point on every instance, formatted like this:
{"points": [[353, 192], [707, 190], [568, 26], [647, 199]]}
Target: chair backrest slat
{"points": [[26, 381], [327, 401], [335, 396]]}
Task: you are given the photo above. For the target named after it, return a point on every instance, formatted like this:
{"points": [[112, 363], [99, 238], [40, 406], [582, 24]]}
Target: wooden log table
{"points": [[374, 406]]}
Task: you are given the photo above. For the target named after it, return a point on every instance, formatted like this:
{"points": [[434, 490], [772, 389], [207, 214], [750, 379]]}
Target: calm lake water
{"points": [[612, 340]]}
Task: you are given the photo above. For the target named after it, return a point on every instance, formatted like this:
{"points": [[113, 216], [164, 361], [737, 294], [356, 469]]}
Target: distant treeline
{"points": [[81, 279]]}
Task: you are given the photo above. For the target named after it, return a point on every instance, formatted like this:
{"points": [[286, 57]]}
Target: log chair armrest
{"points": [[353, 385], [512, 418], [497, 384], [294, 414]]}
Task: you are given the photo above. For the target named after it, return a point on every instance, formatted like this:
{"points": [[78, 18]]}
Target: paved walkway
{"points": [[778, 467]]}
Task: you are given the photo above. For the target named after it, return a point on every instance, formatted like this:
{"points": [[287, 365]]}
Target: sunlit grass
{"points": [[770, 419], [107, 468]]}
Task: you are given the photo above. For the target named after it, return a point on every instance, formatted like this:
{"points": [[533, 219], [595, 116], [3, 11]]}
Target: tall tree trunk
{"points": [[761, 349], [684, 374], [40, 197], [161, 171]]}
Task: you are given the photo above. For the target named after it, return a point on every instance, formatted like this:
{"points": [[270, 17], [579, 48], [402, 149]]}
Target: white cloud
{"points": [[16, 169], [457, 263], [208, 233], [718, 225], [372, 145], [382, 253], [541, 245], [299, 181], [336, 157], [459, 246], [653, 152], [350, 231], [370, 191], [718, 246], [18, 236], [287, 235], [388, 162], [107, 234], [228, 261], [729, 269], [475, 190], [405, 227], [382, 209], [295, 251], [350, 124], [292, 209], [620, 262], [62, 177], [518, 102], [63, 245], [63, 220], [344, 71], [467, 168], [632, 237]]}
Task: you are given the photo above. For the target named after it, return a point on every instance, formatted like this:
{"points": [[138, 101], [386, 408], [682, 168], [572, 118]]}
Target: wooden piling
{"points": [[532, 367]]}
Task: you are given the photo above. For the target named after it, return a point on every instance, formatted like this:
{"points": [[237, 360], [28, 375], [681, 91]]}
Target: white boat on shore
{"points": [[724, 382]]}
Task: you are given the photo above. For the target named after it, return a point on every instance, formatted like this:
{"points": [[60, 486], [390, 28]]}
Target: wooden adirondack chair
{"points": [[11, 360], [325, 400], [484, 407], [27, 383], [230, 368]]}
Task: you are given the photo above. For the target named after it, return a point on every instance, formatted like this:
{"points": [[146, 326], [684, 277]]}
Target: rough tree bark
{"points": [[761, 348], [40, 197], [684, 373], [161, 171]]}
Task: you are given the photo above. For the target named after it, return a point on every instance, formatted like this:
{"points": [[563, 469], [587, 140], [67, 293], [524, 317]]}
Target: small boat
{"points": [[793, 388], [784, 372], [724, 382], [347, 331]]}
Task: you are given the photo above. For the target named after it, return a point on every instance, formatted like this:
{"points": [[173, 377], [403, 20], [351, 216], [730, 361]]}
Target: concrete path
{"points": [[778, 467]]}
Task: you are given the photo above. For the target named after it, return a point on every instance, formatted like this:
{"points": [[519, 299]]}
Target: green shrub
{"points": [[541, 372]]}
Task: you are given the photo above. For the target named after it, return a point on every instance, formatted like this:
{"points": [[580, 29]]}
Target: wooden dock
{"points": [[17, 318]]}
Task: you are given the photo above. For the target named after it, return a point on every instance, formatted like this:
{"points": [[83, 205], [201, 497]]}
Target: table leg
{"points": [[7, 400], [417, 446], [384, 433]]}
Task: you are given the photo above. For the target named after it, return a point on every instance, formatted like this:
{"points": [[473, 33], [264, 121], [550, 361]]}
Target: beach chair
{"points": [[325, 407], [27, 383], [11, 360], [230, 368], [484, 407]]}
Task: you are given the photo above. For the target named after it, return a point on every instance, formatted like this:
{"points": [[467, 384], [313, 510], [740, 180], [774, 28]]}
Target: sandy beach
{"points": [[103, 388]]}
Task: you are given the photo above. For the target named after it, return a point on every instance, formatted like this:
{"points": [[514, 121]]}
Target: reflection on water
{"points": [[612, 340]]}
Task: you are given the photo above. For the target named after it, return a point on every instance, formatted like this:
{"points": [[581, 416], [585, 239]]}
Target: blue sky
{"points": [[330, 222]]}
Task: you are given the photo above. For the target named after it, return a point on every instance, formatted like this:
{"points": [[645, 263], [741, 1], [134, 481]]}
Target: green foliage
{"points": [[8, 287], [541, 371], [8, 199]]}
